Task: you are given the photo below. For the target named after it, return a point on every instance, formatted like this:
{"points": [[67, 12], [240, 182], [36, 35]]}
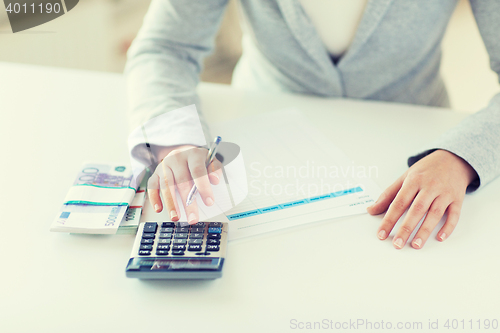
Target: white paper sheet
{"points": [[295, 174]]}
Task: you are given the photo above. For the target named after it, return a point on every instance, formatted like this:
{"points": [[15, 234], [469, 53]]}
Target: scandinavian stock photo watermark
{"points": [[308, 179], [27, 14], [366, 324]]}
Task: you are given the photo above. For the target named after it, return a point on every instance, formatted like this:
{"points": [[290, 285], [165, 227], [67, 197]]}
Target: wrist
{"points": [[463, 167], [161, 152]]}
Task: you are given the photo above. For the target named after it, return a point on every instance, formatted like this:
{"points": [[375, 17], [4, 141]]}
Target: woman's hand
{"points": [[434, 185], [178, 168]]}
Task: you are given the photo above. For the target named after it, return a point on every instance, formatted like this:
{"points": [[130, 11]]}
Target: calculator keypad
{"points": [[213, 242], [169, 238], [150, 227], [194, 247]]}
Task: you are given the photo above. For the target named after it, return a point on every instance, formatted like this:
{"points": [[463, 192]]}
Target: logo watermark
{"points": [[366, 324], [25, 15], [308, 179]]}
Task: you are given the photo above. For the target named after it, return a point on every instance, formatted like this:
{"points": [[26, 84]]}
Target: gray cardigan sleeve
{"points": [[477, 138], [163, 67]]}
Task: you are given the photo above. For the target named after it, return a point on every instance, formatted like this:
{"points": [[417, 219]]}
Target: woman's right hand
{"points": [[178, 168]]}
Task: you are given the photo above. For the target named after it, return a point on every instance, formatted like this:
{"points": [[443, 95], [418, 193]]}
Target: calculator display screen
{"points": [[159, 264]]}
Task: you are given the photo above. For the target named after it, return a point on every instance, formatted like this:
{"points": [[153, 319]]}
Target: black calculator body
{"points": [[169, 250]]}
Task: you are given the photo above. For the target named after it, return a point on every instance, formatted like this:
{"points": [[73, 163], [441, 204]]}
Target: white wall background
{"points": [[465, 67]]}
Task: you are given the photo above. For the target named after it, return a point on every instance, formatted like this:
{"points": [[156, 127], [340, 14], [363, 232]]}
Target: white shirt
{"points": [[336, 21]]}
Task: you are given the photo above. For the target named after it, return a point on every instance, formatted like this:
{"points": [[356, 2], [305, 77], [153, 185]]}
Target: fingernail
{"points": [[157, 208], [192, 218], [442, 237], [382, 234], [173, 215], [210, 201], [417, 243], [398, 243], [216, 175]]}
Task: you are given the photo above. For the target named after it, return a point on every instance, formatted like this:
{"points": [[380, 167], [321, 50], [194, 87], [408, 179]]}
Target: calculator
{"points": [[169, 250]]}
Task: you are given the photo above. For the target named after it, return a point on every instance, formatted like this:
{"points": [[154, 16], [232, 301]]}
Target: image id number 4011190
{"points": [[33, 8]]}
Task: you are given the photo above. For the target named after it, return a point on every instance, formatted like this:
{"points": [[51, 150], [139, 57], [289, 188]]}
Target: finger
{"points": [[434, 215], [398, 206], [196, 163], [168, 191], [154, 193], [451, 220], [416, 212], [385, 199], [215, 172], [184, 184]]}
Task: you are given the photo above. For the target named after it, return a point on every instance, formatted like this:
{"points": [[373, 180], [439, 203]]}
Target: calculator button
{"points": [[148, 247], [196, 241], [165, 247], [213, 236], [144, 252], [181, 235], [197, 230], [214, 230], [168, 225], [199, 225], [212, 248], [194, 248], [148, 235], [178, 252], [164, 241], [215, 225], [196, 236], [162, 252], [213, 242], [165, 235], [179, 247], [147, 241], [182, 225], [180, 241], [150, 227], [167, 230], [185, 229]]}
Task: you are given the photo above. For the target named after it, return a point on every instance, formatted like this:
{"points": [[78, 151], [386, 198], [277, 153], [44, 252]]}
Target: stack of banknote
{"points": [[130, 221], [102, 200]]}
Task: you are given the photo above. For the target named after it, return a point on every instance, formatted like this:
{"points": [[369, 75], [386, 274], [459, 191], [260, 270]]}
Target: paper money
{"points": [[98, 200], [132, 217], [104, 175], [89, 219]]}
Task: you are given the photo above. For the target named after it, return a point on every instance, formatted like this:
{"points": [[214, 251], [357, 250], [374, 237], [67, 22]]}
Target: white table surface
{"points": [[53, 120]]}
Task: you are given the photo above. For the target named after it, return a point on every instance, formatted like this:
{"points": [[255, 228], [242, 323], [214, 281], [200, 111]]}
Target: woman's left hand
{"points": [[435, 185]]}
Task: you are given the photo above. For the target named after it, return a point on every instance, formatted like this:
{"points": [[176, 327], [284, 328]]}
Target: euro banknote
{"points": [[98, 201]]}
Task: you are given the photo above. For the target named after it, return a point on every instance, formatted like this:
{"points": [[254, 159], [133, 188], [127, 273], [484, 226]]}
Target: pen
{"points": [[210, 157]]}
